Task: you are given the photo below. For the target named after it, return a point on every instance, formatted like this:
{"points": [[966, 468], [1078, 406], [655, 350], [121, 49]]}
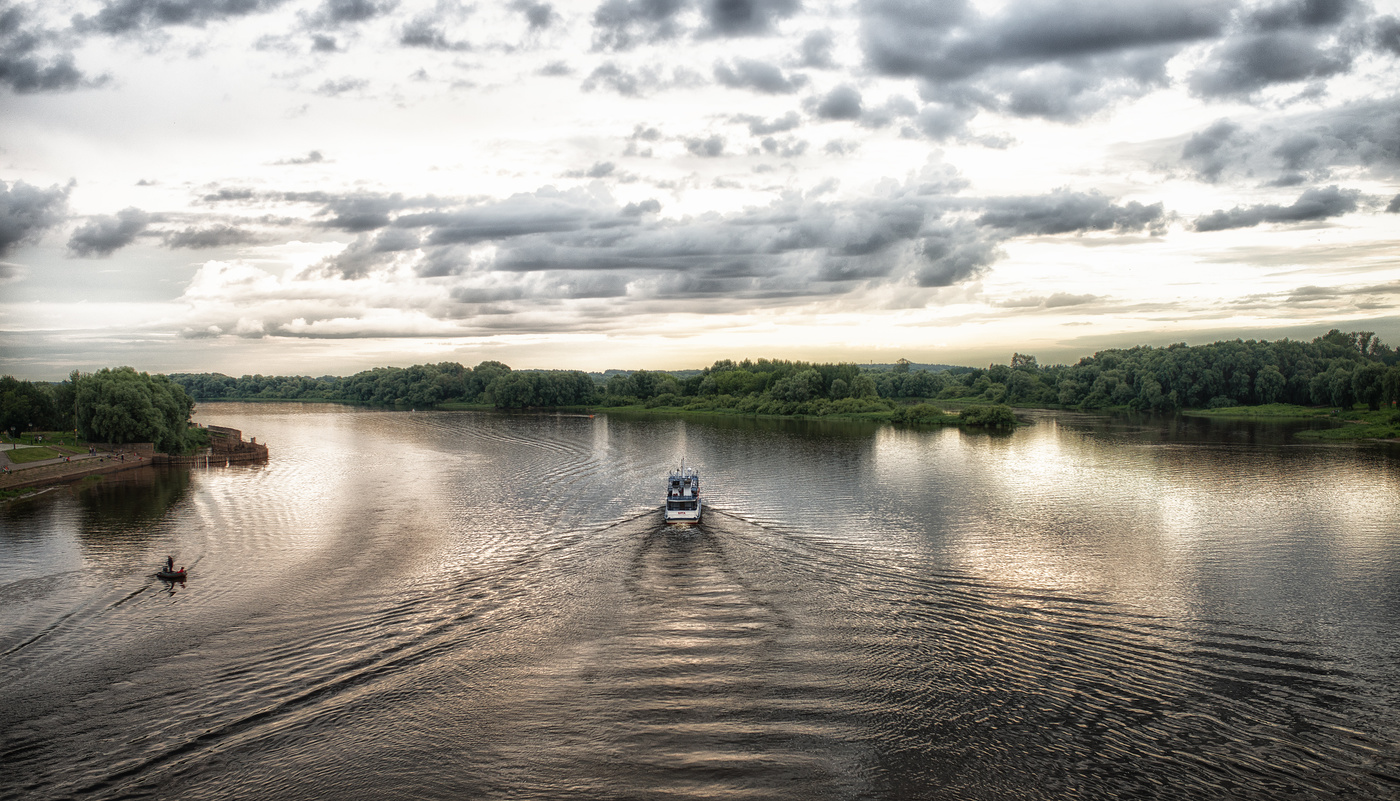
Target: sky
{"points": [[319, 187]]}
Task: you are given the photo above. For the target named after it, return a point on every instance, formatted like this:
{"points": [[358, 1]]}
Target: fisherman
{"points": [[170, 564]]}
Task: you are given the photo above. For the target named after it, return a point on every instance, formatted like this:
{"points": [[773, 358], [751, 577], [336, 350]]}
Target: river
{"points": [[429, 605]]}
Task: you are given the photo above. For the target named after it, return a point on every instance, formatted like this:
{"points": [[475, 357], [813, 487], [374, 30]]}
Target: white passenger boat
{"points": [[683, 503]]}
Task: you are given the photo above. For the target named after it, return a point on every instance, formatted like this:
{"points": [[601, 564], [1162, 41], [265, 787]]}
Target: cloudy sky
{"points": [[324, 186]]}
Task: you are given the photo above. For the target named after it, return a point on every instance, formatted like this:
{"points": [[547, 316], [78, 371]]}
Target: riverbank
{"points": [[1351, 424], [72, 462], [20, 479]]}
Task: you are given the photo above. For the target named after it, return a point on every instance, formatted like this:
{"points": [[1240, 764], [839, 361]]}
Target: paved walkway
{"points": [[55, 469]]}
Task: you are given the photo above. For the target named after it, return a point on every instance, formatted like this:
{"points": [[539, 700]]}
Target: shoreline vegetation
{"points": [[1349, 424], [1337, 370], [1348, 383]]}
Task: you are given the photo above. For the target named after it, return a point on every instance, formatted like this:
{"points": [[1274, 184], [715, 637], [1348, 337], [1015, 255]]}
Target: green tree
{"points": [[863, 387], [799, 387], [1390, 386], [121, 406], [1269, 385], [1367, 384]]}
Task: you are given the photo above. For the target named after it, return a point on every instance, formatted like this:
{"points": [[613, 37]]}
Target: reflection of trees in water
{"points": [[23, 510], [844, 429], [130, 501], [1179, 429]]}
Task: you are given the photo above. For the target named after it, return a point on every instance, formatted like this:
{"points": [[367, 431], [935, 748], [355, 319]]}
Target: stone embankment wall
{"points": [[64, 472], [228, 443], [226, 447], [143, 449]]}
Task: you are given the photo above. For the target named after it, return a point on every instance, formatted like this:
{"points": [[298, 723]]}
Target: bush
{"points": [[664, 399], [997, 416], [921, 414]]}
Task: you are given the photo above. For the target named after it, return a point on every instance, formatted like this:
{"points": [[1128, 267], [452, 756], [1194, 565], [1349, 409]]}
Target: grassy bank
{"points": [[1351, 424], [27, 455]]}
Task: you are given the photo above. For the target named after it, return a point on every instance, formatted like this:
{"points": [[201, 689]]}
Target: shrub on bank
{"points": [[994, 416]]}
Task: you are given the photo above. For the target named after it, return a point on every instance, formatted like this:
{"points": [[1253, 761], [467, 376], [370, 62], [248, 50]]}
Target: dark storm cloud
{"points": [[747, 73], [950, 41], [1284, 43], [758, 126], [25, 68], [648, 206], [1394, 206], [613, 77], [794, 248], [26, 211], [103, 235], [1208, 152], [893, 109], [705, 146], [1314, 204], [538, 15], [1364, 134], [1297, 151], [816, 50], [1060, 60], [548, 210], [338, 13], [216, 236], [789, 147], [124, 16], [553, 244], [424, 32], [1243, 66], [27, 75], [953, 254], [360, 212], [1301, 14], [1063, 211], [941, 122], [623, 24], [747, 17], [368, 252], [841, 103], [1387, 35]]}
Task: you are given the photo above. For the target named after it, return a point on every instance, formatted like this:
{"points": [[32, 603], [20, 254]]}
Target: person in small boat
{"points": [[170, 564]]}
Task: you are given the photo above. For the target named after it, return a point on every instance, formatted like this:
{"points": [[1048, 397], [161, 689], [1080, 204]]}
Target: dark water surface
{"points": [[459, 605]]}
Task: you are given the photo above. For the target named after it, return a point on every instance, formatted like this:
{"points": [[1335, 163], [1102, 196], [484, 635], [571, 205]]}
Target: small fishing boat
{"points": [[683, 503], [171, 575]]}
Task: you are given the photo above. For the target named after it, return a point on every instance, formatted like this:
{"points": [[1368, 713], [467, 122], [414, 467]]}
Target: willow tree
{"points": [[122, 406]]}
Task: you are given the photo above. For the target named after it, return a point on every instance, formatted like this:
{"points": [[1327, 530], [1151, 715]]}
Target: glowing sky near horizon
{"points": [[324, 186]]}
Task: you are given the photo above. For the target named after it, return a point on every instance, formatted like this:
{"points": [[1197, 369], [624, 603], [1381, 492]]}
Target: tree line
{"points": [[1336, 369], [114, 406]]}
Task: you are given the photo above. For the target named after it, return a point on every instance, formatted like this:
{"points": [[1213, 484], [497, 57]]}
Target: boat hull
{"points": [[166, 575], [687, 516]]}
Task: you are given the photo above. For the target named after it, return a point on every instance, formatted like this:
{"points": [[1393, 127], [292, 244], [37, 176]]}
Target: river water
{"points": [[470, 605]]}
